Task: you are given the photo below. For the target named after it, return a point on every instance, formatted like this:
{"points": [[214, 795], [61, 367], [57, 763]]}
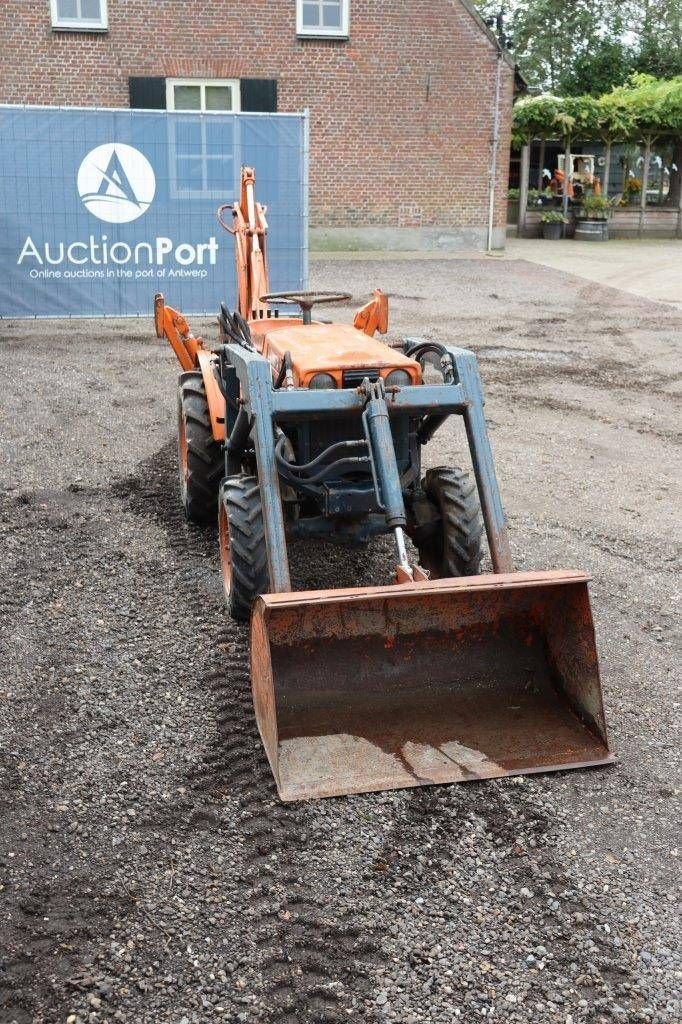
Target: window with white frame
{"points": [[206, 95], [202, 148], [79, 15], [322, 17]]}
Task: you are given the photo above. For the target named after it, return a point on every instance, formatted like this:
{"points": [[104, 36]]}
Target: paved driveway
{"points": [[651, 268]]}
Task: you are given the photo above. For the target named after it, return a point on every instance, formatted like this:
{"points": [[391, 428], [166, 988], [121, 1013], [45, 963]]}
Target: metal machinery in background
{"points": [[296, 427]]}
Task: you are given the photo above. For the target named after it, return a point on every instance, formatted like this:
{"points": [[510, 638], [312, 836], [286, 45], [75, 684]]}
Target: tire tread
{"points": [[458, 550], [250, 577], [205, 461]]}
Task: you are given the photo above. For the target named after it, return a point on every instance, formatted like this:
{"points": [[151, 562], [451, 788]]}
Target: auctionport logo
{"points": [[116, 183]]}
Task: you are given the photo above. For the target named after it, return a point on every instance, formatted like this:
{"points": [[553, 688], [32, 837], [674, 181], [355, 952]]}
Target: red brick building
{"points": [[402, 95]]}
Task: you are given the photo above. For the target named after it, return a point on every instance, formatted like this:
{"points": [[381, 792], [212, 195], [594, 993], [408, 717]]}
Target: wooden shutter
{"points": [[258, 95], [147, 93]]}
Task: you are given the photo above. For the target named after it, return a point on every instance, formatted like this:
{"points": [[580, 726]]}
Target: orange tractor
{"points": [[295, 427]]}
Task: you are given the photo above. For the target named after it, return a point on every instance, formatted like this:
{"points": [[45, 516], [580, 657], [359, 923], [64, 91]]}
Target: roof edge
{"points": [[471, 10]]}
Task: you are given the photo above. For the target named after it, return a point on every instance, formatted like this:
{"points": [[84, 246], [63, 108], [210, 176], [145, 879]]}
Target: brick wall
{"points": [[400, 115]]}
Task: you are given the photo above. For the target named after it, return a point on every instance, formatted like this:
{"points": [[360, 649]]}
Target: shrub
{"points": [[596, 207], [553, 217]]}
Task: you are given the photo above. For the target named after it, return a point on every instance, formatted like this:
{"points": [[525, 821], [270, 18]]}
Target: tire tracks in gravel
{"points": [[51, 911], [313, 959]]}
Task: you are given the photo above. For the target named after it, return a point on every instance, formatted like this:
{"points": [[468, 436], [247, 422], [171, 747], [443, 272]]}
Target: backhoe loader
{"points": [[293, 427]]}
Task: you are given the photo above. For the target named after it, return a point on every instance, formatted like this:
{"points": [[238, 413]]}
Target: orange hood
{"points": [[333, 348]]}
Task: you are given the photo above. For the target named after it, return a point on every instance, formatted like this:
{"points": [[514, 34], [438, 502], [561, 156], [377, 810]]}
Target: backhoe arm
{"points": [[250, 230]]}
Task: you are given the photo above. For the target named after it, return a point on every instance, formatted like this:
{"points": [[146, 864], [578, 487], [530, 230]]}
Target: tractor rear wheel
{"points": [[200, 457], [453, 546], [243, 557]]}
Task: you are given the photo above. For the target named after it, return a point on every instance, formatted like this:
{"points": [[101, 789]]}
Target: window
{"points": [[322, 18], [208, 96], [79, 15], [255, 95], [202, 161]]}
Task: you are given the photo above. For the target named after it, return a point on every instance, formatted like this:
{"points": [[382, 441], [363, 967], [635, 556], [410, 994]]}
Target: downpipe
{"points": [[493, 157]]}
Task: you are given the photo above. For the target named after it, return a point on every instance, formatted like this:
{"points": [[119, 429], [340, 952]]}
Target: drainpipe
{"points": [[493, 158]]}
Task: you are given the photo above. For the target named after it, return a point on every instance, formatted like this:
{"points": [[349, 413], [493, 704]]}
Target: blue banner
{"points": [[100, 209]]}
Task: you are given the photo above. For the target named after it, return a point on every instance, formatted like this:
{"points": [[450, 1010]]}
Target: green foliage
{"points": [[554, 117], [553, 217], [595, 71], [614, 117], [535, 195], [656, 26], [534, 117], [596, 207], [548, 36], [645, 109], [588, 46], [584, 114], [653, 105]]}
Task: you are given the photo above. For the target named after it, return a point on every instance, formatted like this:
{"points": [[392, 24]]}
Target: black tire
{"points": [[453, 546], [243, 556], [200, 457]]}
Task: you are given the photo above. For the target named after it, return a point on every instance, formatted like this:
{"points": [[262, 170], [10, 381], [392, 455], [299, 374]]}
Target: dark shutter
{"points": [[147, 93], [258, 95]]}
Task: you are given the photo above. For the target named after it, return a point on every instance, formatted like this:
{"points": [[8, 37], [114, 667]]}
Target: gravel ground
{"points": [[148, 873]]}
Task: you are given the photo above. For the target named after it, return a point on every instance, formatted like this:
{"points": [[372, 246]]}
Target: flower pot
{"points": [[592, 231], [552, 231]]}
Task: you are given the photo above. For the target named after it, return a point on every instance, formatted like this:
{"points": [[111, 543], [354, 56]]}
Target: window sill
{"points": [[323, 37], [87, 29]]}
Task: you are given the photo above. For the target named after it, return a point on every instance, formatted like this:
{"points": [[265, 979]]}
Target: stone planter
{"points": [[592, 231], [553, 231]]}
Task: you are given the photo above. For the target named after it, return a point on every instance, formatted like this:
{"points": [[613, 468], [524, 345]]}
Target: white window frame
{"points": [[202, 153], [101, 24], [203, 82], [319, 32]]}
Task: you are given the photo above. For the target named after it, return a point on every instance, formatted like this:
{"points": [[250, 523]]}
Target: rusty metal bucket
{"points": [[442, 681]]}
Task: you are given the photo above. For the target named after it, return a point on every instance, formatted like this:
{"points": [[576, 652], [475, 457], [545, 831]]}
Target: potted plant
{"points": [[552, 224], [633, 191], [592, 219], [513, 206], [595, 208]]}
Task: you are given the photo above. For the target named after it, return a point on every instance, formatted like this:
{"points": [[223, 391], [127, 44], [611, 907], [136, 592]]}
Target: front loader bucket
{"points": [[442, 681]]}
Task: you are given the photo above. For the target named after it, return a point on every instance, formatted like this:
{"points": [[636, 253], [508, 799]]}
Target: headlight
{"points": [[321, 381], [398, 379]]}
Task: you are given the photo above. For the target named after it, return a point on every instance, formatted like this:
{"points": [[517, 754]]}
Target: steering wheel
{"points": [[306, 300]]}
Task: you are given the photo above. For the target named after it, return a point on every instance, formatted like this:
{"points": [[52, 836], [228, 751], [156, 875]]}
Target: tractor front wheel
{"points": [[200, 457], [453, 546], [242, 545]]}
